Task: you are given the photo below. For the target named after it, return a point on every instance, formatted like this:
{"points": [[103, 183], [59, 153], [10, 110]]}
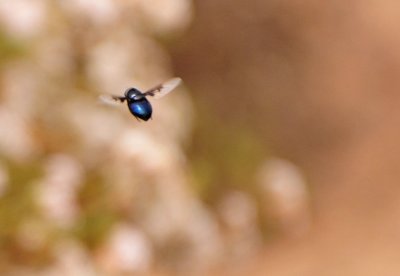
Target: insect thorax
{"points": [[133, 94]]}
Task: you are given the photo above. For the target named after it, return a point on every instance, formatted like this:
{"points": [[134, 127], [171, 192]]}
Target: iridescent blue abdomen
{"points": [[140, 108]]}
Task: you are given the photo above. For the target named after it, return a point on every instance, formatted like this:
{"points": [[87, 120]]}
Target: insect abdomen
{"points": [[140, 109]]}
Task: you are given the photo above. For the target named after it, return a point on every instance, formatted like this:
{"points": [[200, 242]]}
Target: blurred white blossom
{"points": [[58, 190], [100, 12], [110, 63], [285, 188], [16, 140], [143, 149], [165, 15], [23, 18], [95, 126], [126, 251], [71, 258], [20, 84], [239, 213]]}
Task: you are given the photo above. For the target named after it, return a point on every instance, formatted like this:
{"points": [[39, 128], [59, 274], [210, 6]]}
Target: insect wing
{"points": [[163, 89], [111, 99]]}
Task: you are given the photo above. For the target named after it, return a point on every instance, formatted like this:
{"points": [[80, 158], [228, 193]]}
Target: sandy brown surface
{"points": [[323, 79]]}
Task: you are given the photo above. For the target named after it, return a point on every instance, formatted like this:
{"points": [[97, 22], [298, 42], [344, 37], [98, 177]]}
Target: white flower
{"points": [[285, 188], [58, 190], [23, 18], [127, 250]]}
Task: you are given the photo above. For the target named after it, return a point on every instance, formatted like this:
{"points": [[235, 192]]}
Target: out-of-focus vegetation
{"points": [[206, 187], [85, 189]]}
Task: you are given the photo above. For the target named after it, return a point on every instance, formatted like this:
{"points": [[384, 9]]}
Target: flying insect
{"points": [[137, 101]]}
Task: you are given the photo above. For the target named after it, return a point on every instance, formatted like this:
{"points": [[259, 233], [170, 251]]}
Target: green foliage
{"points": [[223, 155], [17, 202], [10, 48], [96, 216]]}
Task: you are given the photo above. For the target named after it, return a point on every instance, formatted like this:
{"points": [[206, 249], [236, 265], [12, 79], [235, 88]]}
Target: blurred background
{"points": [[279, 154]]}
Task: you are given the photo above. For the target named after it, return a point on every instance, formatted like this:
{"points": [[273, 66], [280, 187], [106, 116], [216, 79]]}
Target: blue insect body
{"points": [[138, 104]]}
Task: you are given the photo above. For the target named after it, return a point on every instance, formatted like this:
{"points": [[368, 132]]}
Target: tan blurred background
{"points": [[277, 156]]}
